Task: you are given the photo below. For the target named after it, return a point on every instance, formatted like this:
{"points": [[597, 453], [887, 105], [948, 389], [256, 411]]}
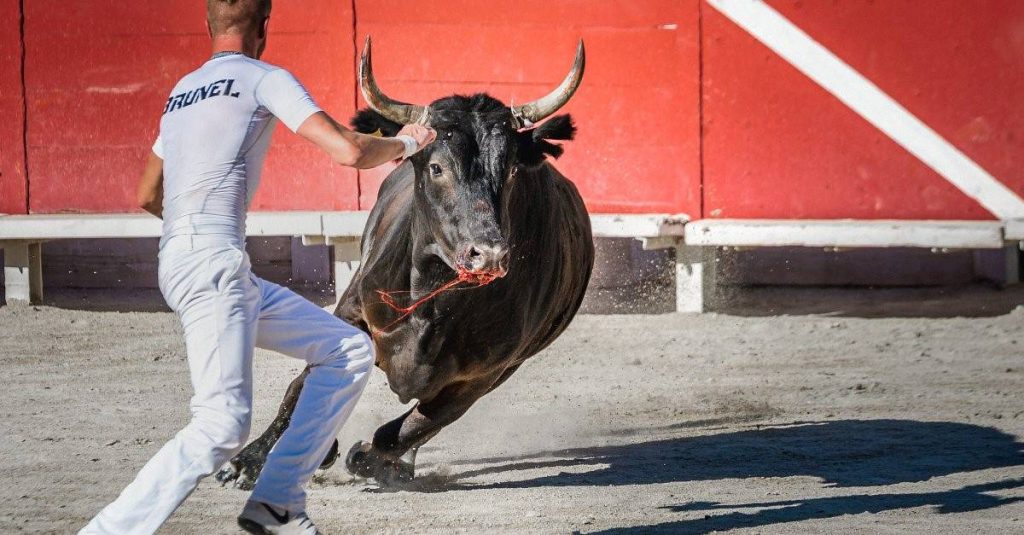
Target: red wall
{"points": [[776, 145], [99, 72], [638, 146], [680, 109], [12, 148]]}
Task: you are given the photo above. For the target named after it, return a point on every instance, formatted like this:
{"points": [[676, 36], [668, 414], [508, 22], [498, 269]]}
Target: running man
{"points": [[200, 179]]}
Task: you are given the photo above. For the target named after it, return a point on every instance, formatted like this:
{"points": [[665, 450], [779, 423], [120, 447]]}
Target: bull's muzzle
{"points": [[489, 259]]}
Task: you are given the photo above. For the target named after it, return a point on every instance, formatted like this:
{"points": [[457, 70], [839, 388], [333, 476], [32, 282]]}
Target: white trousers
{"points": [[226, 311]]}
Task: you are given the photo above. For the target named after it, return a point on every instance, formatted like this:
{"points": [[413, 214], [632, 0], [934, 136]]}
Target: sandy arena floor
{"points": [[814, 422]]}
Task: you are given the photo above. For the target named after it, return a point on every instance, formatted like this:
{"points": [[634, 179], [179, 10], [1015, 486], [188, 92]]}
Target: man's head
{"points": [[244, 19]]}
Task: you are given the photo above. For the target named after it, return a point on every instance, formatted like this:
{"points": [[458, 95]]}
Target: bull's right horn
{"points": [[538, 110], [393, 110]]}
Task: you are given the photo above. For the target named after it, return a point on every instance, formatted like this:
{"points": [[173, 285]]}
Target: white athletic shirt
{"points": [[213, 139]]}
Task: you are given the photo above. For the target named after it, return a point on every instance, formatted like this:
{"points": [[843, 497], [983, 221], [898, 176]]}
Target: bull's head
{"points": [[462, 178]]}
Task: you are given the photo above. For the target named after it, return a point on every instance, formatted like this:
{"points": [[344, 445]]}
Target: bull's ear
{"points": [[367, 121], [534, 146]]}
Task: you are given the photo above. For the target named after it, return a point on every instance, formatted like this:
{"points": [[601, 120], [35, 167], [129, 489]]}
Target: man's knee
{"points": [[358, 350], [225, 430], [353, 350]]}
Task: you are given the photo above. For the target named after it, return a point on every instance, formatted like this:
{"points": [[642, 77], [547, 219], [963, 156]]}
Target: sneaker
{"points": [[262, 519]]}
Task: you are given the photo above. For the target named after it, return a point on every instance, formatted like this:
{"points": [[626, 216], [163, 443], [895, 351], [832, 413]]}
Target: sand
{"points": [[858, 412]]}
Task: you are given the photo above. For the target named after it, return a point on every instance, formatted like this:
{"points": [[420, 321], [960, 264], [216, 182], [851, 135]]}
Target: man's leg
{"points": [[218, 310], [340, 358]]}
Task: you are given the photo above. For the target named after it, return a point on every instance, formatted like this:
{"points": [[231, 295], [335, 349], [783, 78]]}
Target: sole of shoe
{"points": [[252, 527]]}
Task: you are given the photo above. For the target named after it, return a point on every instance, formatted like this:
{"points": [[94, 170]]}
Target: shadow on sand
{"points": [[843, 453], [969, 498]]}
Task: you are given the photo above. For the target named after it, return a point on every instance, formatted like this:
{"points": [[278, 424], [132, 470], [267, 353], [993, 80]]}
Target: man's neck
{"points": [[234, 43]]}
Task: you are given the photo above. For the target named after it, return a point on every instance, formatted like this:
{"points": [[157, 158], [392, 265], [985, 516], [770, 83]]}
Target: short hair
{"points": [[236, 16]]}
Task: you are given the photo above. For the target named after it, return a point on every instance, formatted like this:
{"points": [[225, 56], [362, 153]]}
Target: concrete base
{"points": [[1001, 266], [346, 262], [696, 274], [311, 265], [23, 271]]}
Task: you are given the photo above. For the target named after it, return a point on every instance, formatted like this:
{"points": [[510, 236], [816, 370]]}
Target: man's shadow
{"points": [[843, 453]]}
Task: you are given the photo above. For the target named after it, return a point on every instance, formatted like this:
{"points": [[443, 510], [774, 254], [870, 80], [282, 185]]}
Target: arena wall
{"points": [[687, 106]]}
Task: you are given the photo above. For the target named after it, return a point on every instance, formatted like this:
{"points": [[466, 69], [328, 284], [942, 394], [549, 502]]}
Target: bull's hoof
{"points": [[237, 475], [331, 458], [362, 460], [365, 461], [395, 474]]}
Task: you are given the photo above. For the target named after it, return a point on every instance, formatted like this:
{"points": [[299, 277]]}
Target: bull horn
{"points": [[393, 110], [538, 110]]}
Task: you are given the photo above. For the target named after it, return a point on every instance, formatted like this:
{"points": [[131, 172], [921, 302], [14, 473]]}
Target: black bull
{"points": [[481, 200]]}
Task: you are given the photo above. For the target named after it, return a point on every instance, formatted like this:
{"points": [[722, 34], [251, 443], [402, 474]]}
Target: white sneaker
{"points": [[262, 519]]}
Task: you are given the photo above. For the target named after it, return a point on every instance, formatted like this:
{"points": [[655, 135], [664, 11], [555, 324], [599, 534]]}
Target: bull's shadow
{"points": [[969, 498], [843, 453]]}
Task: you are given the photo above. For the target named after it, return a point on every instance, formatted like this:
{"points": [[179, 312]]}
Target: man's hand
{"points": [[358, 150], [422, 134]]}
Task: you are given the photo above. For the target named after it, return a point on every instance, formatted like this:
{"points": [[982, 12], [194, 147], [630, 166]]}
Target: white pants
{"points": [[226, 311]]}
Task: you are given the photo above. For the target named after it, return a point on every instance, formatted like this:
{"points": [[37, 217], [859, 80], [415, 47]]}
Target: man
{"points": [[200, 178]]}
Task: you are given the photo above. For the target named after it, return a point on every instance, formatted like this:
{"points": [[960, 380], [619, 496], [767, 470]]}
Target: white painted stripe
{"points": [[871, 103]]}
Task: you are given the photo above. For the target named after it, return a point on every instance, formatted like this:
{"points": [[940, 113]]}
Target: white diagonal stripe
{"points": [[871, 103]]}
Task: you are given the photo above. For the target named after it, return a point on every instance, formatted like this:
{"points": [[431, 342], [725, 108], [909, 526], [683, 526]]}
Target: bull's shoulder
{"points": [[392, 209]]}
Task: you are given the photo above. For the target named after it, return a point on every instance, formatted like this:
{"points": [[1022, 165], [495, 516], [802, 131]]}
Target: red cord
{"points": [[478, 278]]}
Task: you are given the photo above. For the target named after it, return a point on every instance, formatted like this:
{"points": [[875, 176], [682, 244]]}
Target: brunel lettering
{"points": [[220, 88]]}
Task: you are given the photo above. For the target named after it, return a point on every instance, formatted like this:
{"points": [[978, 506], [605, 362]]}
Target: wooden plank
{"points": [[283, 224], [1015, 230], [845, 233], [603, 225], [77, 226], [58, 226], [344, 223], [637, 225]]}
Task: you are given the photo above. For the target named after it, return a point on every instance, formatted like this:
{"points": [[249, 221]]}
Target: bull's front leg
{"points": [[391, 457], [243, 469]]}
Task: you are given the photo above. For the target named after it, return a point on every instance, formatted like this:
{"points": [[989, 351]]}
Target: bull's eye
{"points": [[435, 170]]}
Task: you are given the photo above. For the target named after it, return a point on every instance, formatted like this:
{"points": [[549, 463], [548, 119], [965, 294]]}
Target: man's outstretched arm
{"points": [[359, 150], [150, 193]]}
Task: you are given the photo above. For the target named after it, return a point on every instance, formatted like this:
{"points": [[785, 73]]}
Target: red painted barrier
{"points": [[681, 109], [99, 72], [776, 145], [12, 147], [638, 147]]}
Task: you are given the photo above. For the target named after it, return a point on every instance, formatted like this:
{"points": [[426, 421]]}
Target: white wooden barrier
{"points": [[21, 237], [694, 242]]}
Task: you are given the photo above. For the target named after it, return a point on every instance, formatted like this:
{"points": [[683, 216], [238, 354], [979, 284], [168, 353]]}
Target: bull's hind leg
{"points": [[243, 469], [391, 457]]}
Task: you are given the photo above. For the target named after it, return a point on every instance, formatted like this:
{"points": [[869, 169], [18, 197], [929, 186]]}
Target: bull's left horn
{"points": [[393, 110], [539, 110]]}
